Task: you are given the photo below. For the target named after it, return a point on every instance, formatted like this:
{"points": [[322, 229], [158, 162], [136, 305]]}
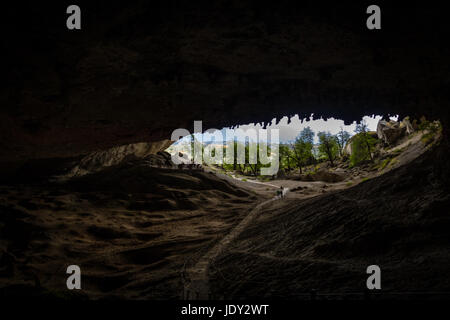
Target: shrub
{"points": [[424, 124], [393, 162], [427, 138], [360, 150], [433, 129]]}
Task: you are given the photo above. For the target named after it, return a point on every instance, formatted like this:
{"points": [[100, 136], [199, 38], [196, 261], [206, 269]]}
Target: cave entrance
{"points": [[294, 146]]}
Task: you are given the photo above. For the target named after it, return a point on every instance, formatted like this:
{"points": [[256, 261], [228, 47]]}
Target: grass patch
{"points": [[384, 163], [428, 138], [393, 162], [348, 184], [396, 152]]}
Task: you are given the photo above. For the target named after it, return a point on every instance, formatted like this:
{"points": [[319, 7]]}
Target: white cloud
{"points": [[290, 128]]}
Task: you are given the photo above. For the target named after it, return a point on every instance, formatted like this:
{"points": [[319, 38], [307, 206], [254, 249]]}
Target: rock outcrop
{"points": [[348, 147], [96, 161], [408, 125], [390, 131]]}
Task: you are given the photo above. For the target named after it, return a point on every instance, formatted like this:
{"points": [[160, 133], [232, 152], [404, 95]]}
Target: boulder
{"points": [[348, 148], [339, 170], [390, 131], [323, 175], [407, 124], [348, 145]]}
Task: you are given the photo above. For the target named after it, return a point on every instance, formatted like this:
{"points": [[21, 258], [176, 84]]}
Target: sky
{"points": [[290, 128]]}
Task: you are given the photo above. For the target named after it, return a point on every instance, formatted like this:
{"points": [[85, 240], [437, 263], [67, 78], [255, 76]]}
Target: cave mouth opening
{"points": [[292, 143]]}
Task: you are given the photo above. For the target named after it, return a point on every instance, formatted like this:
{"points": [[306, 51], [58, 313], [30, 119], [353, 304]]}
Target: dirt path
{"points": [[196, 282]]}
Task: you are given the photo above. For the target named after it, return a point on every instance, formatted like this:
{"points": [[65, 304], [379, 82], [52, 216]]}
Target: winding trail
{"points": [[256, 182], [196, 286]]}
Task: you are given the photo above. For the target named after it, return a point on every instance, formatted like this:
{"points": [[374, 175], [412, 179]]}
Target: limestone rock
{"points": [[390, 131], [407, 124], [98, 160]]}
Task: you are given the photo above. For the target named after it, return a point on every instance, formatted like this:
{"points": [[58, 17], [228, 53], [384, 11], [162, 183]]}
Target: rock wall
{"points": [[98, 160], [138, 70]]}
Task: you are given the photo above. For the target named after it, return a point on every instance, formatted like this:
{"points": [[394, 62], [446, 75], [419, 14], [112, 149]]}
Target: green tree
{"points": [[307, 135], [246, 167], [362, 144], [254, 167], [342, 139], [286, 157], [359, 148], [235, 166], [302, 148], [328, 146], [362, 129]]}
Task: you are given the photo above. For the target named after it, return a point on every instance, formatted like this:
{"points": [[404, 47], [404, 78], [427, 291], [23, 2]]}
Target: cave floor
{"points": [[134, 241]]}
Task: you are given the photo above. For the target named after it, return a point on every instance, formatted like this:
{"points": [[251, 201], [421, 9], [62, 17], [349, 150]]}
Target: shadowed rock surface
{"points": [[129, 227], [398, 221]]}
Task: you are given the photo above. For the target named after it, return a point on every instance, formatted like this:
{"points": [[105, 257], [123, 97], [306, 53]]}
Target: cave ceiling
{"points": [[137, 71]]}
